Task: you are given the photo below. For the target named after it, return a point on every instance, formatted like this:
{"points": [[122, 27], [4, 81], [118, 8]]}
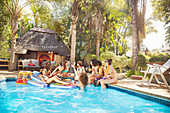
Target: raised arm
{"points": [[75, 71]]}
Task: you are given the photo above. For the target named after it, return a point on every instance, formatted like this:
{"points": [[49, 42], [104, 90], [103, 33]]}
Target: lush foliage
{"points": [[107, 55], [120, 62], [142, 61], [89, 57], [160, 58], [103, 26], [5, 32], [130, 72]]}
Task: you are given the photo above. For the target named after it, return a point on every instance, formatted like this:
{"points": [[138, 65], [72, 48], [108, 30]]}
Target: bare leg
{"points": [[107, 81], [93, 82], [50, 80], [42, 79]]}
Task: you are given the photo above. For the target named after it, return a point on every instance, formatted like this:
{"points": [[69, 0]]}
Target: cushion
{"points": [[36, 62], [25, 62], [31, 64]]}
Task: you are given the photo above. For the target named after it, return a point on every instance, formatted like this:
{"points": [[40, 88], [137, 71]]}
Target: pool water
{"points": [[29, 99]]}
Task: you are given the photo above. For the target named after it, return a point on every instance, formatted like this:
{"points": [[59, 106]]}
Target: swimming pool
{"points": [[25, 98]]}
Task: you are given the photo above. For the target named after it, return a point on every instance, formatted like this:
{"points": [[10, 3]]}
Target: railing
{"points": [[4, 63], [20, 64]]}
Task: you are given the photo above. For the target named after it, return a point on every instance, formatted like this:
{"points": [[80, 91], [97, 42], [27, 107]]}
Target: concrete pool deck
{"points": [[135, 85], [127, 83]]}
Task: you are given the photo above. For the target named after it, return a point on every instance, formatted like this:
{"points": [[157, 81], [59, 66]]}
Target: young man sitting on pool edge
{"points": [[100, 73]]}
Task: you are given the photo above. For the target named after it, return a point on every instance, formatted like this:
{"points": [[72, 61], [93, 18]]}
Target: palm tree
{"points": [[137, 27], [134, 13], [15, 10], [75, 16], [40, 11], [99, 24]]}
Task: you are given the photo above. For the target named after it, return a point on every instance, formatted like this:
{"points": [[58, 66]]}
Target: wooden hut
{"points": [[41, 44]]}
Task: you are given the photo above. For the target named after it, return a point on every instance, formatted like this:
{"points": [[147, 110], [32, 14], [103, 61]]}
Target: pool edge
{"points": [[145, 95]]}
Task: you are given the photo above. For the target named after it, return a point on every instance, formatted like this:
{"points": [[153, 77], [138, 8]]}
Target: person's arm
{"points": [[113, 73], [100, 73], [75, 71], [84, 69], [53, 72]]}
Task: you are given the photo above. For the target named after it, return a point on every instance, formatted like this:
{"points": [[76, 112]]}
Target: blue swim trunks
{"points": [[103, 78]]}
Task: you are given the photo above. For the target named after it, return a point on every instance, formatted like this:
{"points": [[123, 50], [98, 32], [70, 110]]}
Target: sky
{"points": [[154, 40]]}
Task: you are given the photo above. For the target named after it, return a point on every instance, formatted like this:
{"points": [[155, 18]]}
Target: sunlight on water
{"points": [[25, 98]]}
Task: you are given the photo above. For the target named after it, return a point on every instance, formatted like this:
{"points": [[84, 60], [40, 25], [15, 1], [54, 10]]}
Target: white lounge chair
{"points": [[156, 69]]}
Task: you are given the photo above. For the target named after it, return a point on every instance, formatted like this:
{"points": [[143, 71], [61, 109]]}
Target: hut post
{"points": [[16, 61]]}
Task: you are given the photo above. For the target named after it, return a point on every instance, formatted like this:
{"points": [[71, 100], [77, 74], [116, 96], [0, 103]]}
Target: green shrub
{"points": [[107, 55], [139, 73], [130, 72], [90, 56], [129, 63], [160, 58], [120, 62], [142, 61]]}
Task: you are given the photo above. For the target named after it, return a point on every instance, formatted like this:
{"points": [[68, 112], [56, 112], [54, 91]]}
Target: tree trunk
{"points": [[73, 43], [75, 14], [98, 32], [133, 4], [14, 26]]}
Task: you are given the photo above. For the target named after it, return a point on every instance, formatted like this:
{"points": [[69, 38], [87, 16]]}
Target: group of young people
{"points": [[99, 74]]}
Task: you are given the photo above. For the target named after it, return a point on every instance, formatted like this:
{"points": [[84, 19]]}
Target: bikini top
{"points": [[80, 69], [64, 71]]}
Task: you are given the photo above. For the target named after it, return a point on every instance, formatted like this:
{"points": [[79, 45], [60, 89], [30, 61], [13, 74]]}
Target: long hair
{"points": [[84, 79], [109, 61], [97, 63], [93, 61], [64, 64], [80, 63]]}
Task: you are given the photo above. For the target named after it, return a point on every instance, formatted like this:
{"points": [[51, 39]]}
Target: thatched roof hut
{"points": [[41, 44], [39, 39]]}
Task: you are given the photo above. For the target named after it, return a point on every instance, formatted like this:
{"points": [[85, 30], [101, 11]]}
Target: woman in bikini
{"points": [[44, 74], [111, 75], [80, 69], [63, 72]]}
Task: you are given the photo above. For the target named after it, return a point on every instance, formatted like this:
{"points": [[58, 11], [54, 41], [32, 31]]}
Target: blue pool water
{"points": [[29, 99]]}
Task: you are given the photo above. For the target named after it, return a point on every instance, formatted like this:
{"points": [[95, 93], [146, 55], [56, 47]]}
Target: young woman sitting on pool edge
{"points": [[100, 70], [111, 75]]}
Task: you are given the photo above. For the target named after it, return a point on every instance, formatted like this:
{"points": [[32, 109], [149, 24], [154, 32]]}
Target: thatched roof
{"points": [[38, 39]]}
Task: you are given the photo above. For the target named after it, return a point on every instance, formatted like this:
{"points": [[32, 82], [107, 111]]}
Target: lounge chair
{"points": [[155, 70]]}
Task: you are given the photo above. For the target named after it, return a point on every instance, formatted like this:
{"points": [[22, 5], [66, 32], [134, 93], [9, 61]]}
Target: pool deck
{"points": [[135, 85]]}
